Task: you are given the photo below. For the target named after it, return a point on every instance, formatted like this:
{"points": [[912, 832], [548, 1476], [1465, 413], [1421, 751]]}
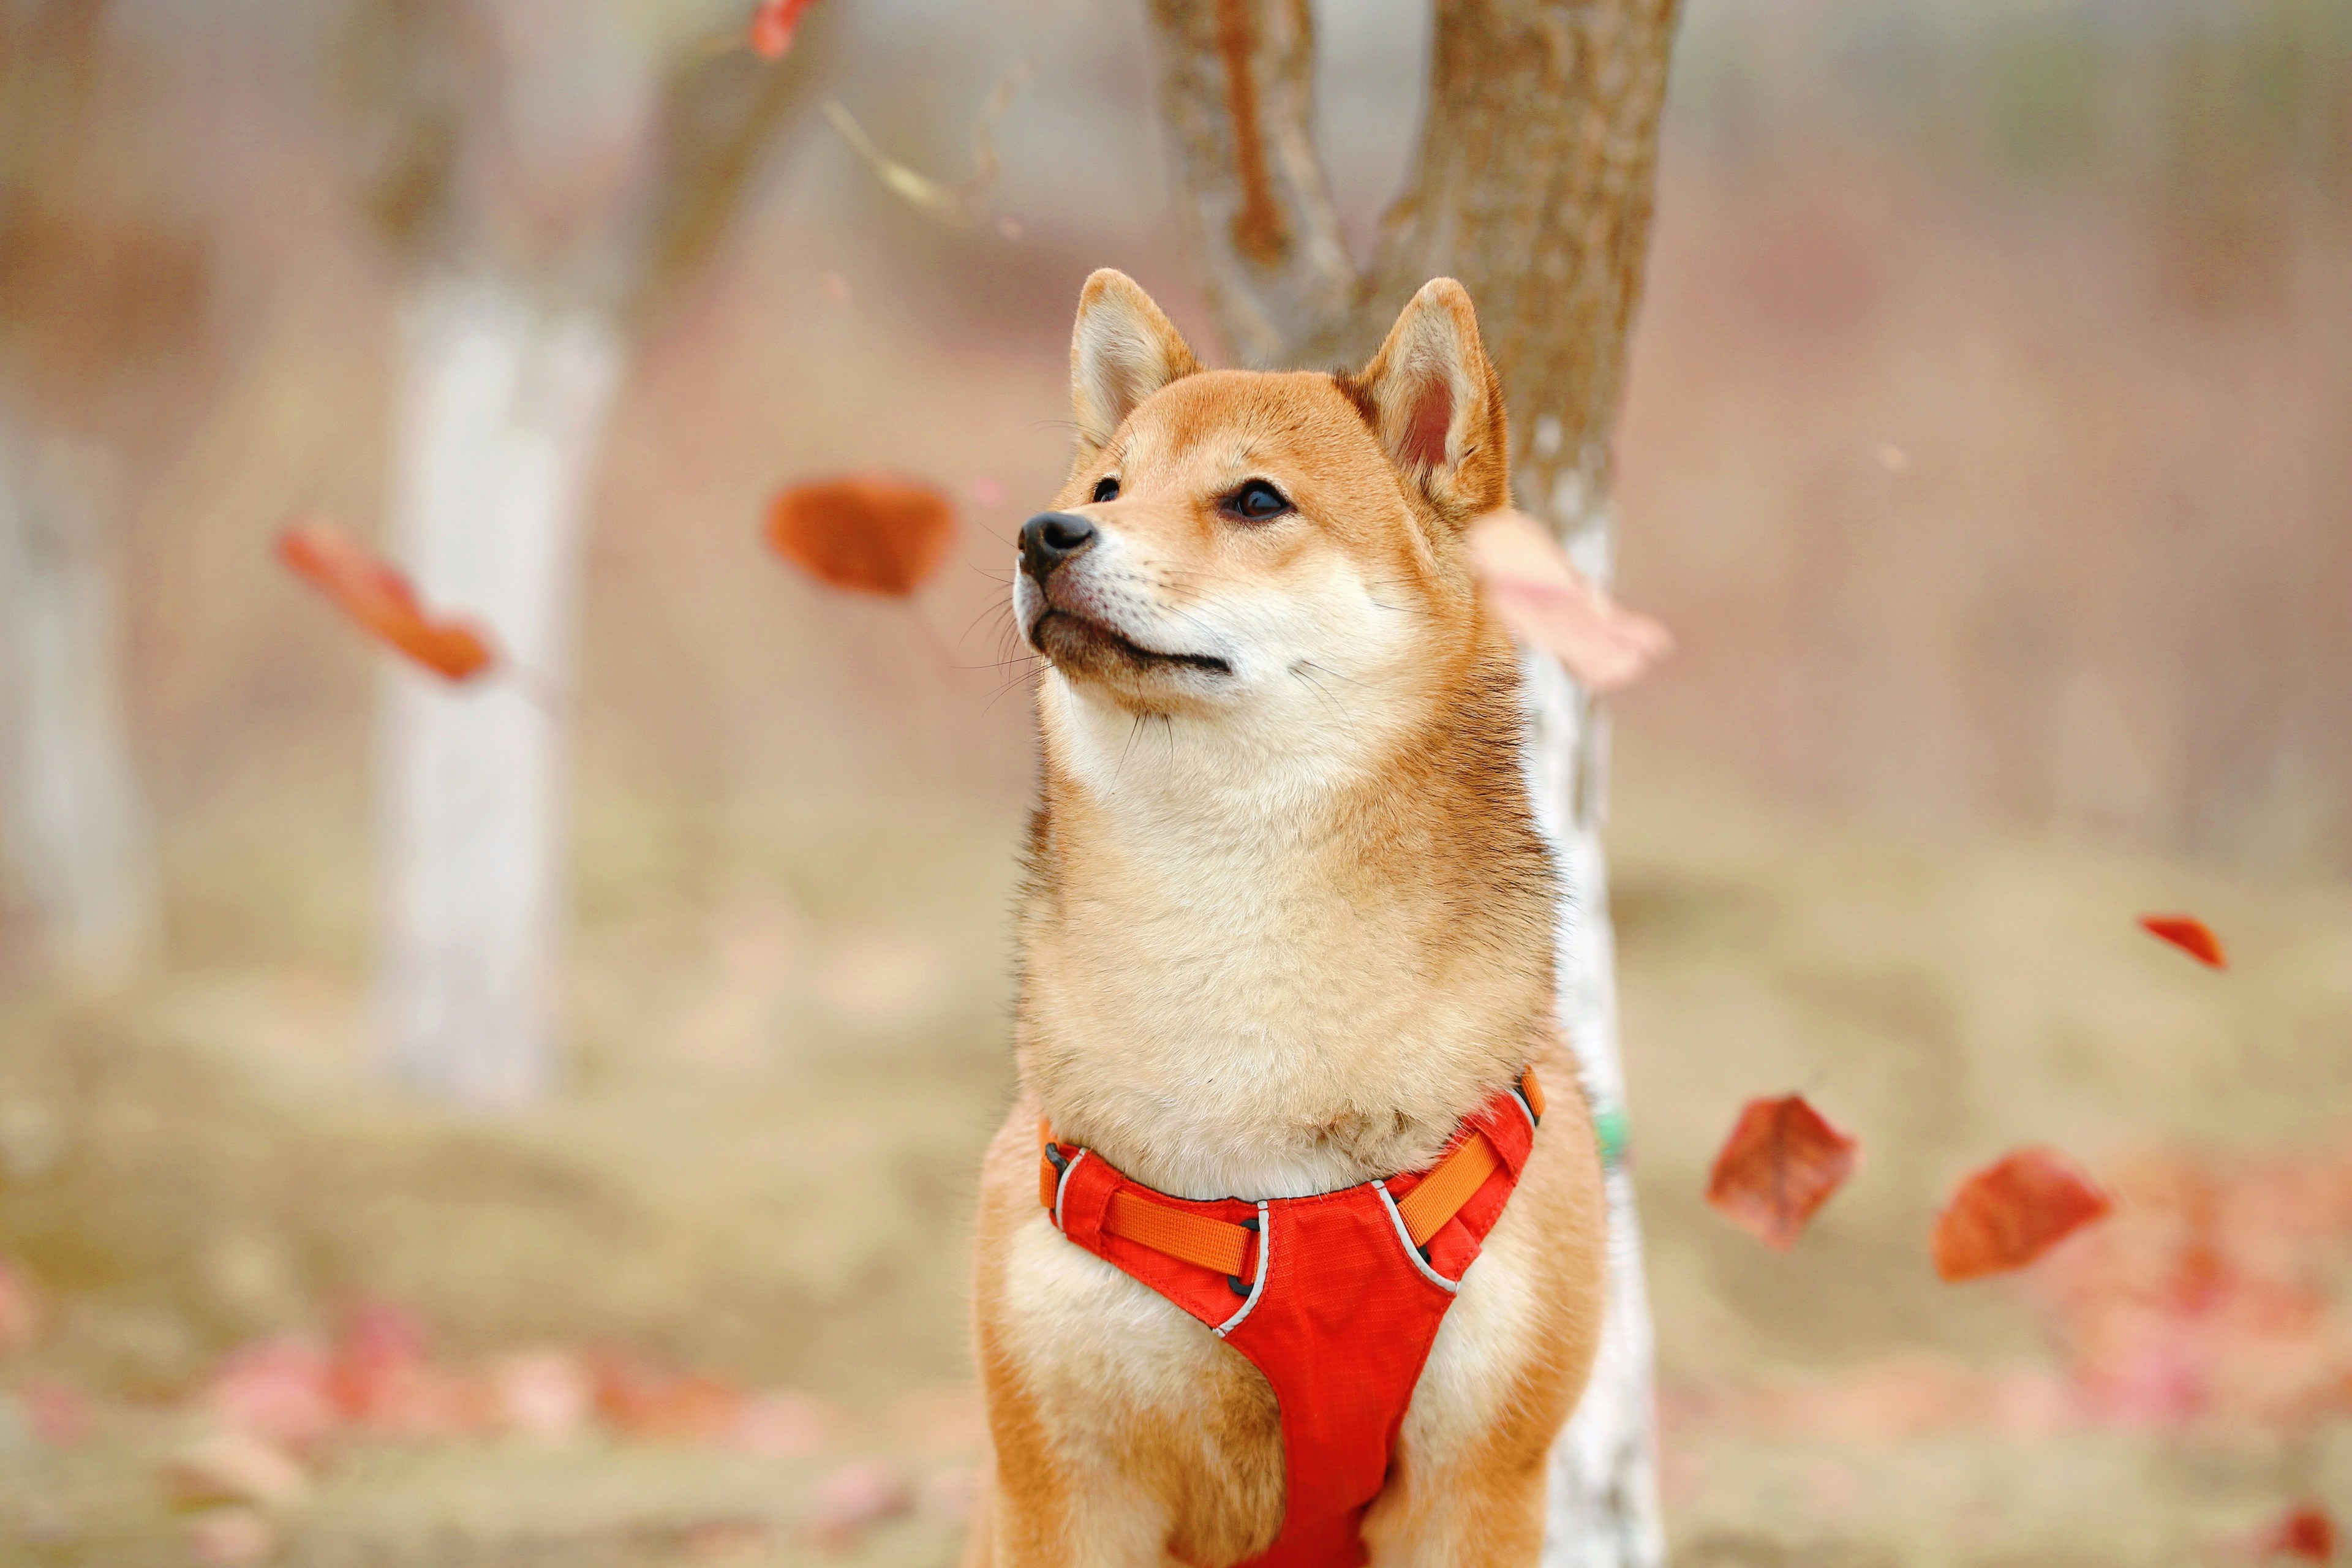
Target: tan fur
{"points": [[1285, 923]]}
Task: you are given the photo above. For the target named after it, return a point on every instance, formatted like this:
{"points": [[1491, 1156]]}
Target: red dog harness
{"points": [[1335, 1297]]}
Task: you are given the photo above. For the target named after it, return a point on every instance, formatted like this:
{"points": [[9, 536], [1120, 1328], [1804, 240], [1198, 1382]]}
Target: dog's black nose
{"points": [[1051, 537]]}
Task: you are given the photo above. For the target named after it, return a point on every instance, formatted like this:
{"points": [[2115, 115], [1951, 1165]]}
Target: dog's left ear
{"points": [[1123, 350], [1436, 404]]}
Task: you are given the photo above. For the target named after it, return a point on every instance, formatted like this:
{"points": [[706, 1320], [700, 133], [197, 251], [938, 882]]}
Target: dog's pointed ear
{"points": [[1436, 404], [1121, 352]]}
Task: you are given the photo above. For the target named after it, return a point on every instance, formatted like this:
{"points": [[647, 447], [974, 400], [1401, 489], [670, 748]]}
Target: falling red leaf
{"points": [[2011, 1212], [2190, 935], [774, 22], [380, 600], [1547, 602], [1781, 1163], [2308, 1532], [865, 532]]}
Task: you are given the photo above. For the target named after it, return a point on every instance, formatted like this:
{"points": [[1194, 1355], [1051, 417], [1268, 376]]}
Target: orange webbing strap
{"points": [[1458, 1177], [1213, 1244], [1443, 1192], [1224, 1246], [1196, 1239]]}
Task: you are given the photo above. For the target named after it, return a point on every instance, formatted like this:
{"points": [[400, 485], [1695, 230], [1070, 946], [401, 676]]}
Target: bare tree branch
{"points": [[1237, 97]]}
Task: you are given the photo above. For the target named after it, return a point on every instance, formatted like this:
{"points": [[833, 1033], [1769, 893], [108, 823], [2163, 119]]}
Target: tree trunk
{"points": [[502, 409], [1533, 186], [75, 830]]}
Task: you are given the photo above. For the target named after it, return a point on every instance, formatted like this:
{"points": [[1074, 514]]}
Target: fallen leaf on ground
{"points": [[864, 532], [778, 1426], [1548, 602], [20, 1310], [235, 1537], [279, 1389], [547, 1394], [381, 600], [641, 1401], [2306, 1532], [2190, 935], [2011, 1212], [233, 1467], [856, 1497], [773, 22], [59, 1415], [382, 1377], [1782, 1162]]}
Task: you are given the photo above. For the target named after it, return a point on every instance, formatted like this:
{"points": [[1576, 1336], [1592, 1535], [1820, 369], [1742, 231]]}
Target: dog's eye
{"points": [[1106, 489], [1256, 503]]}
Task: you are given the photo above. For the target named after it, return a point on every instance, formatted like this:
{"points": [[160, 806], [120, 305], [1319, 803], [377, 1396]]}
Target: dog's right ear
{"points": [[1122, 351]]}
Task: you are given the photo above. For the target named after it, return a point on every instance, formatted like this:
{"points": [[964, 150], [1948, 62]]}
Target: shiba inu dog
{"points": [[1287, 934]]}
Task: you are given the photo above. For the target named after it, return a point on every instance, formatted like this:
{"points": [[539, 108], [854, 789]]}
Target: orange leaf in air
{"points": [[1547, 602], [2190, 935], [1782, 1162], [774, 22], [872, 535], [2306, 1532], [2014, 1210], [381, 600]]}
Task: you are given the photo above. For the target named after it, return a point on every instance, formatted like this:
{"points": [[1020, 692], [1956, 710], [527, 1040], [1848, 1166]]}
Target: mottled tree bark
{"points": [[1533, 186]]}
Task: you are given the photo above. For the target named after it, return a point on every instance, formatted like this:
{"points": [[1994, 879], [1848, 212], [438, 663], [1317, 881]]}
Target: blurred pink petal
{"points": [[856, 1497], [1548, 602], [59, 1415], [234, 1537], [547, 1394], [778, 1426]]}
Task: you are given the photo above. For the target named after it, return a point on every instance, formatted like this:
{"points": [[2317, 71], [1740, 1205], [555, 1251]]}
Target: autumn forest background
{"points": [[1985, 453]]}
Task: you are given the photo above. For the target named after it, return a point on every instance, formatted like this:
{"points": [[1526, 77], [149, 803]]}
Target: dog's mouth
{"points": [[1079, 642]]}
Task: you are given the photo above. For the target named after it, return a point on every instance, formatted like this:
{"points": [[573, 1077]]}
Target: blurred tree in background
{"points": [[548, 172], [91, 286]]}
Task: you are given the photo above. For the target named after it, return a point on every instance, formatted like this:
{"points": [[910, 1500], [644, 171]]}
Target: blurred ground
{"points": [[763, 1174]]}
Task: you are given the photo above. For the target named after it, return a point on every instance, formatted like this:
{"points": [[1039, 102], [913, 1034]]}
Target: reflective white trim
{"points": [[1063, 1185], [1406, 1236], [1265, 1267], [1519, 1098]]}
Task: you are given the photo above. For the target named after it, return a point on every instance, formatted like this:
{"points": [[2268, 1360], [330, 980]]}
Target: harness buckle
{"points": [[1234, 1280]]}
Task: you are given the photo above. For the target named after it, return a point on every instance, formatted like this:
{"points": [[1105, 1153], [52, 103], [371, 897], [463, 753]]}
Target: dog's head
{"points": [[1278, 554]]}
